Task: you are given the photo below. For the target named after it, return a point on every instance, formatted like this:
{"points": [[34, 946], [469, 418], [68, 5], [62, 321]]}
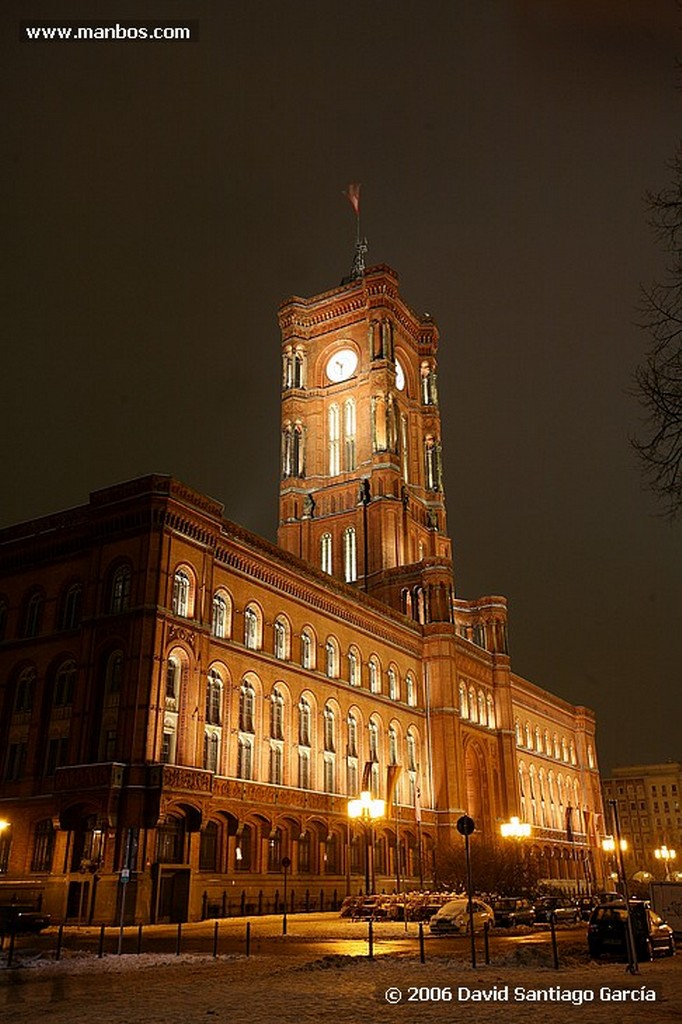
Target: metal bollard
{"points": [[179, 939], [60, 935], [422, 954], [371, 939], [248, 938], [100, 947], [139, 939], [215, 940], [555, 950], [10, 951], [486, 941]]}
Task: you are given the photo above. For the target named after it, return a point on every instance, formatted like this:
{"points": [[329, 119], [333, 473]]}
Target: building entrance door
{"points": [[172, 895]]}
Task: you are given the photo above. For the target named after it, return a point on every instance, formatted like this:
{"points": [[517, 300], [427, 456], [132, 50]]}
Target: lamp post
{"points": [[517, 830], [619, 847], [666, 855], [368, 810]]}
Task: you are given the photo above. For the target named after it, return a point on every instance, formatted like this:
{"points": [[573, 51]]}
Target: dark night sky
{"points": [[160, 200]]}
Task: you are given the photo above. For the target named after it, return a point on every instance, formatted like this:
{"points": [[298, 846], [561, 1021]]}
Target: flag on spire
{"points": [[352, 194]]}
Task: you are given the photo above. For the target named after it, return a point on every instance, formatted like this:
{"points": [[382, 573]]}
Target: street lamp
{"points": [[368, 810], [515, 829], [666, 855], [518, 830]]}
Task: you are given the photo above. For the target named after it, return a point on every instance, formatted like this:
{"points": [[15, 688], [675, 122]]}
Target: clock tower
{"points": [[361, 493]]}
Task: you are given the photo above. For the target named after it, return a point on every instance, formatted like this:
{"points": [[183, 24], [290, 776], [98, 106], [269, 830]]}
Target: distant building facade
{"points": [[189, 704], [647, 797]]}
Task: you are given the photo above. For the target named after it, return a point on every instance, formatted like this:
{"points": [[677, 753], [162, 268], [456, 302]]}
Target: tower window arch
{"points": [[329, 730], [374, 675], [353, 667], [331, 650], [410, 690], [350, 555], [326, 553], [304, 723], [392, 678], [334, 440], [281, 638], [349, 435], [307, 650]]}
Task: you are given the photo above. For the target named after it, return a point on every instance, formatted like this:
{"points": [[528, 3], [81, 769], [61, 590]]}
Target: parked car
{"points": [[19, 919], [606, 932], [563, 909], [586, 905], [512, 910], [454, 916]]}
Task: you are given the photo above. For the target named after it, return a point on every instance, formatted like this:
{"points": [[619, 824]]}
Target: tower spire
{"points": [[352, 194]]}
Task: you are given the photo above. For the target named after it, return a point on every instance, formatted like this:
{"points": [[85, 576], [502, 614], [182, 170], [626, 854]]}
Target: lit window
{"points": [[304, 719], [353, 668], [245, 758], [219, 623], [307, 651], [326, 553], [251, 629], [214, 698], [350, 557], [392, 684], [411, 690], [120, 590], [247, 700], [333, 423], [348, 435], [181, 592], [277, 715], [329, 730], [374, 676]]}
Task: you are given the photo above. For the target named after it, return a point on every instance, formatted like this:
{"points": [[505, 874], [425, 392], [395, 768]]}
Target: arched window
{"points": [[276, 715], [243, 848], [411, 751], [252, 628], [276, 767], [353, 667], [220, 623], [392, 745], [546, 743], [33, 614], [173, 679], [463, 701], [211, 751], [208, 847], [350, 555], [329, 730], [491, 711], [555, 745], [64, 684], [331, 658], [538, 739], [303, 768], [247, 701], [71, 607], [374, 675], [352, 736], [43, 846], [326, 553], [519, 733], [214, 698], [113, 677], [392, 677], [119, 600], [481, 708], [472, 705], [564, 750], [245, 758], [373, 732], [307, 650], [349, 435], [572, 756], [590, 757], [529, 737], [181, 593], [411, 690], [304, 720], [333, 426], [281, 637]]}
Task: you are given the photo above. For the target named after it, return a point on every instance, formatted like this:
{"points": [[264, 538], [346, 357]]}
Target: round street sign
{"points": [[286, 863], [465, 825]]}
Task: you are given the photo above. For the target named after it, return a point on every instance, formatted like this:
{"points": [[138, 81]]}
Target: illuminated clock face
{"points": [[399, 376], [341, 365]]}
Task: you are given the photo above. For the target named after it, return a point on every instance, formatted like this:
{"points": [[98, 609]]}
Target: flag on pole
{"points": [[352, 194], [392, 773], [367, 777]]}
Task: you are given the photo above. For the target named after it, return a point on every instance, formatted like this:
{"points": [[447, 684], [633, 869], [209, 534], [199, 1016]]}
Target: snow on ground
{"points": [[300, 988]]}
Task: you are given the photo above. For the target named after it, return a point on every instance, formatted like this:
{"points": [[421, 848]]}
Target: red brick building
{"points": [[184, 700]]}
